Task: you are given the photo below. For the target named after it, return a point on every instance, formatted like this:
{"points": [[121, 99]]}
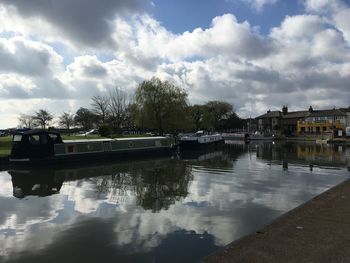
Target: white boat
{"points": [[199, 140]]}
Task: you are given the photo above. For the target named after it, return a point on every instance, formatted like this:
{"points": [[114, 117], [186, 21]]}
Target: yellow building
{"points": [[319, 126], [322, 121]]}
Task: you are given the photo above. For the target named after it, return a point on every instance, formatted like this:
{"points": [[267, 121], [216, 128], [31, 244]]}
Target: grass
{"points": [[5, 145]]}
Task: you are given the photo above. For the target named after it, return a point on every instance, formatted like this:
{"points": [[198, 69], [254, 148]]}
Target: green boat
{"points": [[45, 147]]}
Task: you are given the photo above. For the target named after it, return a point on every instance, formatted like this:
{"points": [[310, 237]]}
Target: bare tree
{"points": [[42, 118], [118, 104], [100, 107], [25, 121], [66, 120]]}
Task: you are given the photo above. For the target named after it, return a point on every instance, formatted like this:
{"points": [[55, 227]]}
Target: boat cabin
{"points": [[34, 144]]}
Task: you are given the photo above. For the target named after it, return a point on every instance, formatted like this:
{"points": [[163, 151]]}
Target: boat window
{"points": [[70, 148], [34, 139], [53, 136], [17, 138]]}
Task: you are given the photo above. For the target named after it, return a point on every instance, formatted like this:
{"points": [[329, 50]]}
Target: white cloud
{"points": [[260, 4], [306, 54]]}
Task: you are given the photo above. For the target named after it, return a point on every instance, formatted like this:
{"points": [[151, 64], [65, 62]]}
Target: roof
{"points": [[295, 114], [345, 109], [322, 113], [35, 131], [270, 114]]}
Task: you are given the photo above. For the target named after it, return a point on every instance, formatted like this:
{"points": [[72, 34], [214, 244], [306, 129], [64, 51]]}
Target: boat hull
{"points": [[195, 145], [89, 157]]}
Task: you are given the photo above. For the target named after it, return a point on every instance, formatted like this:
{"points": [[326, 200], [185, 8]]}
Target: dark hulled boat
{"points": [[44, 147]]}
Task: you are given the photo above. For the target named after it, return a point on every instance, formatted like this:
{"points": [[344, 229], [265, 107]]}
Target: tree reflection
{"points": [[161, 187], [156, 183]]}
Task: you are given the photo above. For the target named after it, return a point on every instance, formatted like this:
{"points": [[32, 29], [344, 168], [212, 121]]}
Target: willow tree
{"points": [[160, 105]]}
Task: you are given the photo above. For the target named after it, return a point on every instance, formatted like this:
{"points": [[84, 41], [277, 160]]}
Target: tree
{"points": [[100, 105], [42, 118], [84, 118], [232, 122], [118, 104], [25, 121], [217, 111], [160, 105], [197, 113], [66, 120]]}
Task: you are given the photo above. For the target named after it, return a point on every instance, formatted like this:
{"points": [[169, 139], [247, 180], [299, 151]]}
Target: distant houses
{"points": [[310, 121]]}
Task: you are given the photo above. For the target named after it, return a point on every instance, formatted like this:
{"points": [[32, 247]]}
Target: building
{"points": [[269, 122], [323, 121], [309, 121], [347, 112], [280, 122]]}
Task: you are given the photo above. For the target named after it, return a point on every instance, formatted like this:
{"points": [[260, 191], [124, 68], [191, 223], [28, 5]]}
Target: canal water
{"points": [[170, 209]]}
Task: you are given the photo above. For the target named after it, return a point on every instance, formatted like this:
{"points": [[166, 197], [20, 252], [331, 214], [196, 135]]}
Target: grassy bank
{"points": [[5, 145]]}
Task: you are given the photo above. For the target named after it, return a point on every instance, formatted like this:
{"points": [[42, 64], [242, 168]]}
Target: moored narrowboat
{"points": [[199, 141], [44, 147]]}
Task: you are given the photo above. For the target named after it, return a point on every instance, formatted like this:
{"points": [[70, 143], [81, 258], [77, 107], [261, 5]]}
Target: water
{"points": [[176, 209]]}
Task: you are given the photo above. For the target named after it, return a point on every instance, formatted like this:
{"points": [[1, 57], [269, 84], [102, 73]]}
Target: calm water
{"points": [[177, 209]]}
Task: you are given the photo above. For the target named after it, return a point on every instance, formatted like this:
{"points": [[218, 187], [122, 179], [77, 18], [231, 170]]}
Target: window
{"points": [[34, 139], [70, 148], [17, 138], [53, 136]]}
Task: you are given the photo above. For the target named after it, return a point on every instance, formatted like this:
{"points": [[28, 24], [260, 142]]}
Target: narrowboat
{"points": [[200, 141], [44, 147]]}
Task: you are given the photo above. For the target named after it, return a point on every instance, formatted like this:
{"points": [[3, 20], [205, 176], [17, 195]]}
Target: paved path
{"points": [[318, 231]]}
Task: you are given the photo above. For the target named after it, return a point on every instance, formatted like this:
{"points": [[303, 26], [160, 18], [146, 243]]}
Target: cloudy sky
{"points": [[255, 54]]}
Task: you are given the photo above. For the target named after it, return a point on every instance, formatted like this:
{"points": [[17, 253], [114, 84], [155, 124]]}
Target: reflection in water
{"points": [[159, 210], [156, 184], [311, 154]]}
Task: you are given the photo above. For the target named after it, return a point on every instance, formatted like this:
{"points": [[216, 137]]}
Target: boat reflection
{"points": [[156, 183]]}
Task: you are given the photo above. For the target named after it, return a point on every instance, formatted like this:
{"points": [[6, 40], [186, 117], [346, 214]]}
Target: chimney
{"points": [[285, 109], [311, 109]]}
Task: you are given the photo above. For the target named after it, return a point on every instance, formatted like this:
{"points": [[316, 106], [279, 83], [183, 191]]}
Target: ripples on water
{"points": [[176, 209]]}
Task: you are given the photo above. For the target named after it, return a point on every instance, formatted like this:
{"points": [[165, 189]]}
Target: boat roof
{"points": [[87, 140], [116, 139], [140, 138], [35, 131]]}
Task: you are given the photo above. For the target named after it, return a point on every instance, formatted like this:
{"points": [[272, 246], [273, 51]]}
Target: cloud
{"points": [[85, 22], [147, 43], [307, 57], [257, 5], [23, 56]]}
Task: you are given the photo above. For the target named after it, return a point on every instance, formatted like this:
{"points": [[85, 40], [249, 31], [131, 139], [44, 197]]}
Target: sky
{"points": [[255, 54]]}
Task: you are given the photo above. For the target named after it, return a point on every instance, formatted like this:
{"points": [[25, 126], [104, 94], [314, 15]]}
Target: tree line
{"points": [[157, 106]]}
